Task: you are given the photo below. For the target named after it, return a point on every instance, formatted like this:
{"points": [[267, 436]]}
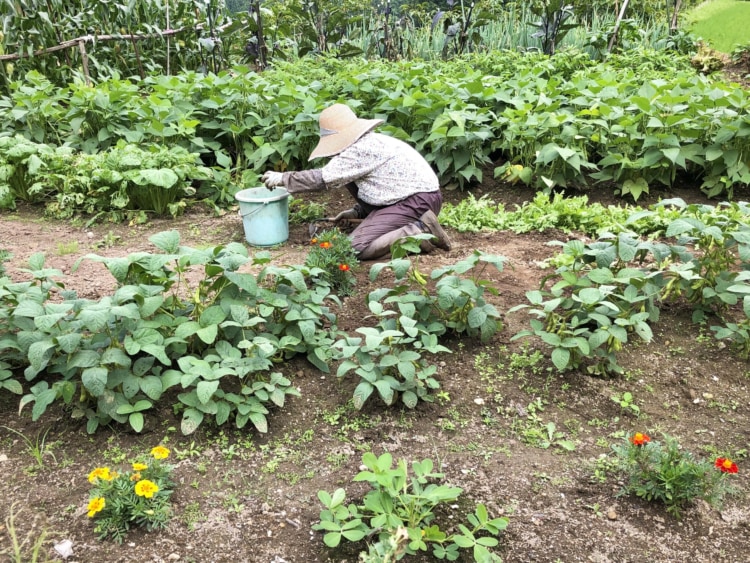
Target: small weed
{"points": [[37, 448], [337, 460], [192, 515], [113, 453], [301, 212], [109, 240], [64, 248], [603, 468], [27, 549], [627, 403], [443, 397], [233, 504], [191, 450]]}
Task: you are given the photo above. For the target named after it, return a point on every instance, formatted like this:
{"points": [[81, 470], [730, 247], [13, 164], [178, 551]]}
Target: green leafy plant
{"points": [[589, 316], [25, 167], [390, 362], [5, 256], [668, 474], [399, 512], [137, 497], [331, 252], [128, 178], [626, 402], [457, 301], [217, 337]]}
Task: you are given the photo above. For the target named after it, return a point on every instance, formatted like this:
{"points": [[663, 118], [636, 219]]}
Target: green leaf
{"points": [[40, 353], [167, 241], [95, 380], [332, 539], [161, 177], [259, 421], [561, 357], [208, 334], [362, 393], [206, 390], [136, 421], [191, 420]]}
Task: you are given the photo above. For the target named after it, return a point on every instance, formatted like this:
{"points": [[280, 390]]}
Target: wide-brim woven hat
{"points": [[339, 129]]}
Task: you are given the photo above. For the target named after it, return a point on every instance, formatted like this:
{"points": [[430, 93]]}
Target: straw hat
{"points": [[339, 129]]}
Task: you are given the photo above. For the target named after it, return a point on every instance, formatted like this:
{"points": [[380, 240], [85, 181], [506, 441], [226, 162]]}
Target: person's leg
{"points": [[373, 237]]}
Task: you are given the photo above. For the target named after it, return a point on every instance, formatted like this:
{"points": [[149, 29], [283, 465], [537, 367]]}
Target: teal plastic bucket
{"points": [[265, 215]]}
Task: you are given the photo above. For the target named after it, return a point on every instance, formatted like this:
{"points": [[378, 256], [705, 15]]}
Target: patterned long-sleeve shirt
{"points": [[385, 169]]}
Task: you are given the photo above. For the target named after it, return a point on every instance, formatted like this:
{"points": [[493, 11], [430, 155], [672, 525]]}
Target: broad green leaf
{"points": [[95, 380], [166, 241], [561, 357], [206, 390], [191, 420]]}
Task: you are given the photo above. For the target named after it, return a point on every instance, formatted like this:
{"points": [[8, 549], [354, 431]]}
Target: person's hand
{"points": [[272, 179], [346, 215]]}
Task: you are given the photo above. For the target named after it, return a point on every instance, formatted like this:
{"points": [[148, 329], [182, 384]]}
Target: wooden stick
{"points": [[85, 61]]}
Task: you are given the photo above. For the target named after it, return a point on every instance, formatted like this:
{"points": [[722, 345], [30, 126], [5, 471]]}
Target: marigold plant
{"points": [[332, 252], [136, 497], [666, 473]]}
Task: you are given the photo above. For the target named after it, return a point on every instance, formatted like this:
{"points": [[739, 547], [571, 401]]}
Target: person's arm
{"points": [[304, 181]]}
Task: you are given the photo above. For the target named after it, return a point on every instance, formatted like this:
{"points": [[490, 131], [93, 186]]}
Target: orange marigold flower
{"points": [[726, 465], [100, 473], [139, 466], [146, 488], [344, 267], [96, 504], [314, 241], [325, 244], [135, 477], [639, 439], [160, 452]]}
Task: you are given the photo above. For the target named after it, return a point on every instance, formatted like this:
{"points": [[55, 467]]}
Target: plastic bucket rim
{"points": [[272, 198]]}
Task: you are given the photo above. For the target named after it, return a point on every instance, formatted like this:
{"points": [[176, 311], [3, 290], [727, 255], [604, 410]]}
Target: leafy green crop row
{"points": [[565, 120], [214, 347], [124, 178], [606, 290]]}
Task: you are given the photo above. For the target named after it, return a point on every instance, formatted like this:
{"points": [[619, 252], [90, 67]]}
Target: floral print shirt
{"points": [[385, 169]]}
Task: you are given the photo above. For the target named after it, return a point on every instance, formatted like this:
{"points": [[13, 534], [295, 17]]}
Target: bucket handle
{"points": [[253, 212]]}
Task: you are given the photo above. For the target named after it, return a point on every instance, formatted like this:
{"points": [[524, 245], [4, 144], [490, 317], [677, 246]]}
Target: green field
{"points": [[722, 24]]}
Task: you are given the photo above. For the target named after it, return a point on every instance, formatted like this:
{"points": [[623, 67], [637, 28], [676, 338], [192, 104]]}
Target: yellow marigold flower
{"points": [[160, 452], [135, 477], [139, 466], [146, 488], [100, 473], [96, 504]]}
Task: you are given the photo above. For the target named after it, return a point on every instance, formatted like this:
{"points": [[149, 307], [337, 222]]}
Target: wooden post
{"points": [[674, 15], [85, 60], [617, 25]]}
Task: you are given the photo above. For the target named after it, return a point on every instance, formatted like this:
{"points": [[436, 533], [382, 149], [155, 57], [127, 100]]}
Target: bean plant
{"points": [[398, 514]]}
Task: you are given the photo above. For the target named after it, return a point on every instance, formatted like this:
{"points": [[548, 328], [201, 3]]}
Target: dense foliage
{"points": [[642, 119]]}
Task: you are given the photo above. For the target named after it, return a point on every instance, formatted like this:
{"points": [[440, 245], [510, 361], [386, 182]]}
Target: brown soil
{"points": [[242, 496]]}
